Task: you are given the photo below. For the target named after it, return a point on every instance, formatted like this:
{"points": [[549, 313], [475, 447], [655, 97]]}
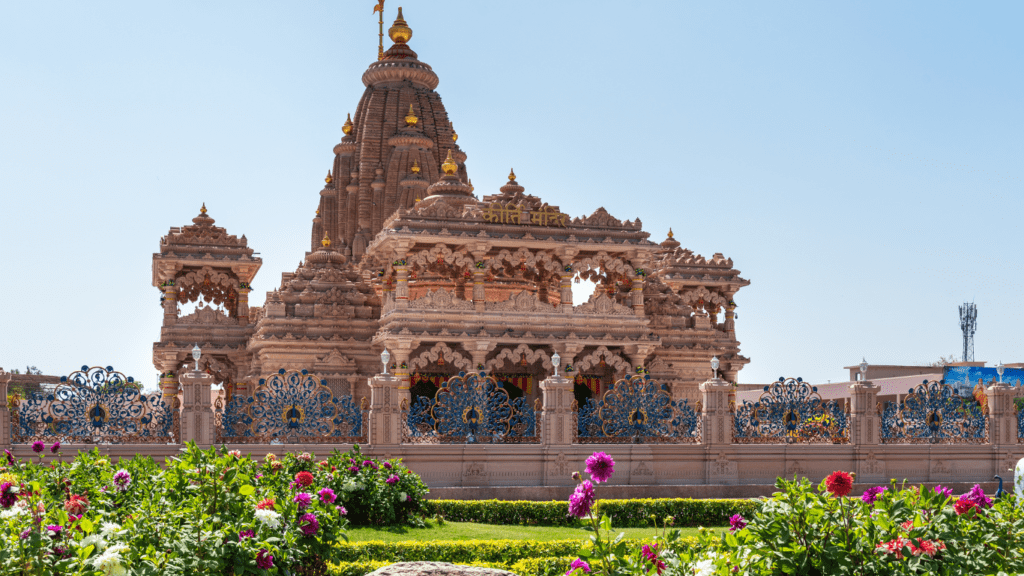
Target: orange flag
{"points": [[379, 7]]}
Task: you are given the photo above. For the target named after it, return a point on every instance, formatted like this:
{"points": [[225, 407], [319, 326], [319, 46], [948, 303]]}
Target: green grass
{"points": [[474, 531]]}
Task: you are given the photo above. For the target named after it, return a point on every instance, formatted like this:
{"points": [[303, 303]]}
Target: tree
{"points": [[944, 361]]}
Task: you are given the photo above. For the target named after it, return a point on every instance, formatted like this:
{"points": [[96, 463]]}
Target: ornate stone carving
{"points": [[602, 353], [515, 356], [440, 299], [602, 304], [439, 351], [521, 302], [207, 315]]}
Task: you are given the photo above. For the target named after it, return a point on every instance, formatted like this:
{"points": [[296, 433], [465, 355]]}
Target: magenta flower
{"points": [[353, 468], [582, 499], [25, 533], [55, 447], [122, 479], [246, 534], [264, 559], [577, 563], [10, 457], [303, 499], [309, 524], [600, 467], [387, 465], [55, 530], [393, 479], [327, 495], [945, 492], [341, 510], [977, 495], [650, 553], [38, 446], [871, 494], [7, 496], [736, 522]]}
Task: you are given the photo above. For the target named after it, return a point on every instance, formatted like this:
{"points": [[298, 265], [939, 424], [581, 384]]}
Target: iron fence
{"points": [[638, 410], [791, 411], [933, 413]]}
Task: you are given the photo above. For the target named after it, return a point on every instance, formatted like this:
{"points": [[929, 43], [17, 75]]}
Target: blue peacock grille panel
{"points": [[96, 406], [638, 410], [791, 411], [469, 409], [292, 407], [932, 413]]}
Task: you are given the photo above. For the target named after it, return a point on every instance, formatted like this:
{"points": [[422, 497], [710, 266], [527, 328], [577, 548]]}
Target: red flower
{"points": [[266, 504], [964, 505], [908, 525], [839, 483], [304, 479], [76, 504], [927, 547]]}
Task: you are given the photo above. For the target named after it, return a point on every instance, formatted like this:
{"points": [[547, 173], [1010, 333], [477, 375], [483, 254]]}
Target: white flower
{"points": [[12, 512], [14, 489], [269, 517], [108, 528], [349, 486], [110, 561], [402, 497]]}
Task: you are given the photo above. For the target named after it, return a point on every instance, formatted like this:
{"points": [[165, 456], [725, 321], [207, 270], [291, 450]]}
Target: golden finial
{"points": [[326, 242], [400, 32], [417, 199], [380, 36], [670, 235], [449, 166], [511, 175], [317, 211], [410, 118], [329, 179], [203, 209], [347, 128], [415, 167], [455, 135]]}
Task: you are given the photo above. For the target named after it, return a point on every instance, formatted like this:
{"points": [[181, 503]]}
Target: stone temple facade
{"points": [[404, 255]]}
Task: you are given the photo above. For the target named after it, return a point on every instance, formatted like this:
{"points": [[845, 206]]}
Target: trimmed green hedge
{"points": [[634, 513], [458, 551]]}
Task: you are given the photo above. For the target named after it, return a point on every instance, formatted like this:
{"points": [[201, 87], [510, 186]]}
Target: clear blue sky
{"points": [[861, 162]]}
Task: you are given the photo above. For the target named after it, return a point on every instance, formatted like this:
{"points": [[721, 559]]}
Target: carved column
{"points": [[557, 418], [5, 413], [243, 303], [637, 292], [730, 315], [385, 426], [716, 415], [1002, 419], [168, 386], [566, 289], [170, 303], [197, 422], [401, 267], [479, 275], [865, 424]]}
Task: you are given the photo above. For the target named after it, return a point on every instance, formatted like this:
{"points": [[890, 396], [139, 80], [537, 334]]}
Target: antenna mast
{"points": [[968, 324]]}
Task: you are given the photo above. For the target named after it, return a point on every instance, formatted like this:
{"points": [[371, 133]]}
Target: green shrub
{"points": [[548, 566], [456, 552], [365, 567], [634, 513]]}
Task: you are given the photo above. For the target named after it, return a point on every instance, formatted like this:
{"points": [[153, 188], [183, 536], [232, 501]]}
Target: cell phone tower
{"points": [[968, 324]]}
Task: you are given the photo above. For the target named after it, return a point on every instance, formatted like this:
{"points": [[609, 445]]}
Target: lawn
{"points": [[474, 531]]}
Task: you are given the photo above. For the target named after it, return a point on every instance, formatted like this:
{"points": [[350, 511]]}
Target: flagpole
{"points": [[380, 34]]}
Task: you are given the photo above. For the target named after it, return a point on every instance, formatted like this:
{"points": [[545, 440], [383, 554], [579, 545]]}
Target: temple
{"points": [[405, 256]]}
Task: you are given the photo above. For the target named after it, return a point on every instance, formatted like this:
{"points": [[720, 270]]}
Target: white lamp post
{"points": [[863, 368], [385, 356], [556, 361], [999, 370], [196, 355], [714, 367]]}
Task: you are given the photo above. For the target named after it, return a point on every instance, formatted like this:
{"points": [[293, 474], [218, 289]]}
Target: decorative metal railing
{"points": [[791, 411], [1020, 423], [638, 410], [96, 406], [470, 408], [933, 413], [292, 407]]}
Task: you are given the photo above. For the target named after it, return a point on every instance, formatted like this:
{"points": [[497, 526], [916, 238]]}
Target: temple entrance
{"points": [[426, 384], [517, 385], [586, 387]]}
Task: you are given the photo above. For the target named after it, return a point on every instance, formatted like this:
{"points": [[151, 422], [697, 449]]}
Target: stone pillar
{"points": [[730, 316], [401, 267], [168, 386], [479, 290], [170, 302], [5, 412], [243, 303], [385, 417], [1002, 419], [637, 292], [716, 416], [557, 417], [865, 423], [566, 289], [197, 422]]}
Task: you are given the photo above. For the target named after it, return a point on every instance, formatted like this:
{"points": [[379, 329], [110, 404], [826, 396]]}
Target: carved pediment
{"points": [[440, 299], [207, 315], [336, 361], [602, 304], [520, 302]]}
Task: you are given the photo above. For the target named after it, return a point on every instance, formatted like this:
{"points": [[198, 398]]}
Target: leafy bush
{"points": [[890, 530], [632, 513], [457, 552], [205, 512]]}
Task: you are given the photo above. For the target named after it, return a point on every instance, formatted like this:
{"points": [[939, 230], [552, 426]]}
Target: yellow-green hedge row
{"points": [[548, 566], [456, 551], [633, 513]]}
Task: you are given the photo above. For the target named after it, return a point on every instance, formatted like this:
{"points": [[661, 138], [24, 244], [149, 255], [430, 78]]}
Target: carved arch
{"points": [[610, 358], [515, 355], [438, 351], [691, 297]]}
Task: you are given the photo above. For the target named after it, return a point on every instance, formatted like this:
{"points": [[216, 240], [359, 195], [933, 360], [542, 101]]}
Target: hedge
{"points": [[633, 513], [458, 551]]}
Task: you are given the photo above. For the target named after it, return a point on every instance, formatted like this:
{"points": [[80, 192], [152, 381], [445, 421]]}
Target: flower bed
{"points": [[205, 512]]}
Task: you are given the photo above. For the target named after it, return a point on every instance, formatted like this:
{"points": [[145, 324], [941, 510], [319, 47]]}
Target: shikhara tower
{"points": [[404, 255]]}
